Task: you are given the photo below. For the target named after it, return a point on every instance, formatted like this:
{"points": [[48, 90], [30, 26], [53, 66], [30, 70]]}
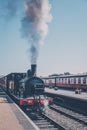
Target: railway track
{"points": [[59, 118], [2, 92], [45, 122], [71, 114], [42, 121], [69, 119]]}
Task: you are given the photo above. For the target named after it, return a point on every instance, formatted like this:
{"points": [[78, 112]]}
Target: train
{"points": [[70, 82], [28, 90]]}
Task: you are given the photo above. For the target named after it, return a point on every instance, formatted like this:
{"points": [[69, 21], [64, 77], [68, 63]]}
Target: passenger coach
{"points": [[67, 81]]}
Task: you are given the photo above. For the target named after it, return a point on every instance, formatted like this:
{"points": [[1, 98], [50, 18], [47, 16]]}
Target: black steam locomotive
{"points": [[28, 90]]}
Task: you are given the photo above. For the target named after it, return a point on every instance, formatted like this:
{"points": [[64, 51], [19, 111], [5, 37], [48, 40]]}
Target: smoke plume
{"points": [[34, 22]]}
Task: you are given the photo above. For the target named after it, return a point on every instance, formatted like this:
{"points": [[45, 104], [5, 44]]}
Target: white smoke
{"points": [[34, 22]]}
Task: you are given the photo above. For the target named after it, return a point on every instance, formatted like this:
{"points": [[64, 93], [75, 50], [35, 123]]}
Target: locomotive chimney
{"points": [[33, 69]]}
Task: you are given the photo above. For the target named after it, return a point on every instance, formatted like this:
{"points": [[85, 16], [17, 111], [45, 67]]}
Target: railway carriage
{"points": [[67, 81]]}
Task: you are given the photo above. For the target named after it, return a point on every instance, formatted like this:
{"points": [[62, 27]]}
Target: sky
{"points": [[64, 48]]}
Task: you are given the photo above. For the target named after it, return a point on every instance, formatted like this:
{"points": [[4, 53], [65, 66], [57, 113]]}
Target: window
{"points": [[74, 80], [84, 80], [79, 80], [68, 80]]}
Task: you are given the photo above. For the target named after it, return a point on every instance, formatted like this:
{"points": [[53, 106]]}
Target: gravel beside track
{"points": [[70, 113], [67, 122]]}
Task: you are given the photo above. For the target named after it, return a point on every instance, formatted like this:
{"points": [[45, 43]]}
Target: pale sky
{"points": [[65, 47]]}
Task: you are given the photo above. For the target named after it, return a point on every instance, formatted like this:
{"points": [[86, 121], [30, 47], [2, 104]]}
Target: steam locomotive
{"points": [[28, 90]]}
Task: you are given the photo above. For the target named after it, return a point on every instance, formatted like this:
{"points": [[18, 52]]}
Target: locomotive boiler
{"points": [[30, 92]]}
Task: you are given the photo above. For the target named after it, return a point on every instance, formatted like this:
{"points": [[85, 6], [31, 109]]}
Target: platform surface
{"points": [[68, 93], [12, 117]]}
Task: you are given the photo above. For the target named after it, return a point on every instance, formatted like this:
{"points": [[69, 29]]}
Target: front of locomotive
{"points": [[34, 91], [33, 96]]}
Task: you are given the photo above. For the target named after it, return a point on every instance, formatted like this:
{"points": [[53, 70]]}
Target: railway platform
{"points": [[82, 96], [12, 117]]}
